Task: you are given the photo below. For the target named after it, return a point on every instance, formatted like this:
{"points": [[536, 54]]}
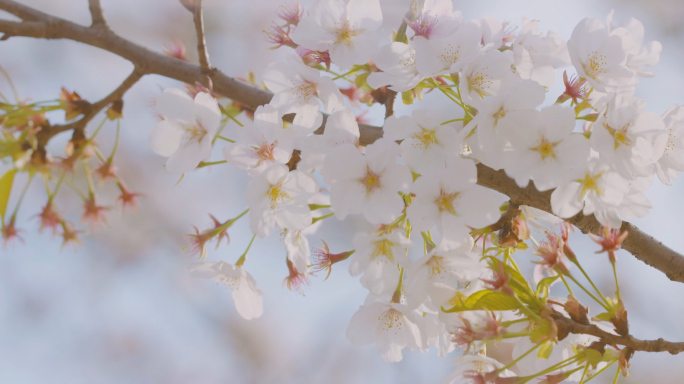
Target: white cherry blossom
{"points": [[368, 184], [345, 29], [543, 147], [638, 56], [398, 64], [486, 74], [298, 89], [391, 326], [246, 294], [449, 54], [379, 258], [277, 196], [672, 161], [599, 56], [449, 199], [426, 142], [537, 56], [340, 128], [628, 138], [188, 128], [591, 187], [261, 143]]}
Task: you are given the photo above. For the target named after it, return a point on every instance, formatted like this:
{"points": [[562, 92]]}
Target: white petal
{"points": [[173, 103], [165, 138]]}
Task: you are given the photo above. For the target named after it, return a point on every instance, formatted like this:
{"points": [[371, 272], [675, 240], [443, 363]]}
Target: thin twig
{"points": [[201, 42], [659, 345], [98, 20], [93, 110]]}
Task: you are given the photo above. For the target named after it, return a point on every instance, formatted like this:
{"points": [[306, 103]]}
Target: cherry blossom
{"points": [[188, 128], [368, 184], [448, 199], [345, 29], [398, 64], [298, 89], [379, 258], [391, 326], [246, 294], [426, 142], [277, 196], [261, 143], [672, 161]]}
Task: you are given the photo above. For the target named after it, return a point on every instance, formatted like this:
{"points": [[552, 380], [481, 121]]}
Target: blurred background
{"points": [[120, 308]]}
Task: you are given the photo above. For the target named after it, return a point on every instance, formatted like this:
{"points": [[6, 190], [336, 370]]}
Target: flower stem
{"points": [[588, 293], [242, 258]]}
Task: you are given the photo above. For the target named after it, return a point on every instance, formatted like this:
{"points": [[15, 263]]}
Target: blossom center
{"points": [[478, 82], [620, 136], [425, 138], [590, 183], [546, 148], [276, 195], [423, 24], [500, 114], [371, 180], [264, 152], [304, 91], [194, 131], [595, 65], [451, 54], [446, 202], [344, 34], [435, 266], [383, 248], [391, 319]]}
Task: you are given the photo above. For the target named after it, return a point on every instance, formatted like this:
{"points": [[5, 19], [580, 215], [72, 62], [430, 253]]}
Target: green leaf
{"points": [[360, 79], [543, 286], [545, 350], [486, 300], [5, 188], [605, 316], [593, 356], [407, 97]]}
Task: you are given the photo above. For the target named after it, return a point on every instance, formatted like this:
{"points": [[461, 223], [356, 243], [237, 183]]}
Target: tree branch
{"points": [[96, 15], [201, 42], [40, 25], [95, 108], [659, 345]]}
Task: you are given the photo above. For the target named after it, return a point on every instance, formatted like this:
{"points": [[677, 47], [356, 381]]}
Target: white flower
{"points": [[277, 196], [188, 128], [449, 199], [261, 143], [391, 326], [592, 187], [340, 128], [425, 141], [379, 259], [632, 34], [398, 64], [298, 88], [486, 74], [445, 264], [449, 54], [298, 250], [628, 138], [543, 146], [599, 56], [493, 112], [347, 31], [672, 160], [436, 20], [367, 184], [246, 294], [536, 56]]}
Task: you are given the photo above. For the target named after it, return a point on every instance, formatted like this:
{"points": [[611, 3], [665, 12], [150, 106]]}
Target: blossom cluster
{"points": [[594, 146]]}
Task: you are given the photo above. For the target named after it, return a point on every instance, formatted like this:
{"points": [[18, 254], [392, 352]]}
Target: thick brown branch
{"points": [[98, 20], [201, 42], [41, 25], [659, 345], [641, 245], [93, 110]]}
